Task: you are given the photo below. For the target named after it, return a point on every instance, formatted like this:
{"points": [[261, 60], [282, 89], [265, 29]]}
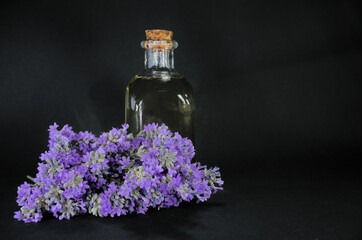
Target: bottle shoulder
{"points": [[164, 75], [160, 80]]}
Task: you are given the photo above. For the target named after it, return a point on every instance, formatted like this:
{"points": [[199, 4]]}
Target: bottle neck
{"points": [[159, 59]]}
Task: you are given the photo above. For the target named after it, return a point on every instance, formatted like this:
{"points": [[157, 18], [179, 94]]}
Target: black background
{"points": [[278, 94]]}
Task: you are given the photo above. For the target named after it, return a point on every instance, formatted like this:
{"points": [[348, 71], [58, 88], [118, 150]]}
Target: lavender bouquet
{"points": [[114, 174]]}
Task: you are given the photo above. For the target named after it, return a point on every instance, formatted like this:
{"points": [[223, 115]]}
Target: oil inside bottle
{"points": [[165, 97]]}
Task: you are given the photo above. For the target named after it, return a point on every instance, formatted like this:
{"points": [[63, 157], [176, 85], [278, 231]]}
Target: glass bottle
{"points": [[159, 94]]}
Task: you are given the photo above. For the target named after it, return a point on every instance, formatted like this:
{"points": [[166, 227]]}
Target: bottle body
{"points": [[160, 96]]}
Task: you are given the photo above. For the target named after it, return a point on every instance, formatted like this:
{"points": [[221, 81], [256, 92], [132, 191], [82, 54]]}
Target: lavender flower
{"points": [[114, 174]]}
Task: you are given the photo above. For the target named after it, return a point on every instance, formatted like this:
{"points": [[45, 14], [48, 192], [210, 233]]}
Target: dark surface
{"points": [[278, 108]]}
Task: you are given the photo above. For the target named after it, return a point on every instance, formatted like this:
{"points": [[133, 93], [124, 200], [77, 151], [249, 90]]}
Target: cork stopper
{"points": [[159, 40], [159, 35]]}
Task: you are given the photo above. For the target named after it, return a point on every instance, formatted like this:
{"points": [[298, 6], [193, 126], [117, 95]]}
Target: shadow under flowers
{"points": [[172, 223]]}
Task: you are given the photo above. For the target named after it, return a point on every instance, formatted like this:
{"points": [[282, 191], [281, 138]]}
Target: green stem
{"points": [[31, 178], [116, 181]]}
